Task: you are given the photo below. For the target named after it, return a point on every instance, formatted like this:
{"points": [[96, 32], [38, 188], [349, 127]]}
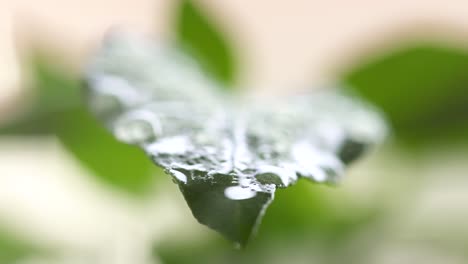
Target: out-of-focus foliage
{"points": [[54, 90], [58, 109], [311, 213], [422, 88], [120, 165], [200, 37], [13, 250]]}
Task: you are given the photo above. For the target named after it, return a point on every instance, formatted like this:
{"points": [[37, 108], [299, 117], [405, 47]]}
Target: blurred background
{"points": [[69, 193]]}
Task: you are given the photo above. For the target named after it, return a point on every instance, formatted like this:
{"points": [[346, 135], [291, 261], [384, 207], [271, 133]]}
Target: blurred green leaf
{"points": [[54, 90], [200, 37], [12, 250], [207, 250], [113, 162], [311, 213], [58, 108], [423, 89]]}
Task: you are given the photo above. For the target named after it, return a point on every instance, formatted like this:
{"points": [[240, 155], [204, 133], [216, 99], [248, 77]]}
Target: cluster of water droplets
{"points": [[154, 96]]}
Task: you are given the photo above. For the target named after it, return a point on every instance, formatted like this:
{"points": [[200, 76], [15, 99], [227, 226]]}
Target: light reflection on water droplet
{"points": [[105, 106], [170, 145], [137, 126], [179, 175], [134, 131], [285, 175], [239, 193]]}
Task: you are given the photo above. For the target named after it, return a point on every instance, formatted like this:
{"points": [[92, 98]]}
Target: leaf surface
{"points": [[227, 155]]}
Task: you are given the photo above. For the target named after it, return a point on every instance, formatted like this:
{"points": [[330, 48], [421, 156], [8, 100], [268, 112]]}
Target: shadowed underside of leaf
{"points": [[235, 219], [227, 156]]}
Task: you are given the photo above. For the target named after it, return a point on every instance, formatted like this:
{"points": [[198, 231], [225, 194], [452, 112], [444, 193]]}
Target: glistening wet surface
{"points": [[228, 155]]}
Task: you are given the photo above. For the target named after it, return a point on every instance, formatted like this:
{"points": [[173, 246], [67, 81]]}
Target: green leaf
{"points": [[422, 89], [311, 213], [227, 157], [200, 37]]}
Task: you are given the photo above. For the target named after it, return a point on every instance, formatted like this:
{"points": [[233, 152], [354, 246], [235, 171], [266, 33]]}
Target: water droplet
{"points": [[239, 193], [105, 106], [170, 145], [134, 131], [179, 175]]}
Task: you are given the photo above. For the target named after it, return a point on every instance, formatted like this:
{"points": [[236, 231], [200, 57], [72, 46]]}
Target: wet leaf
{"points": [[227, 155], [203, 40]]}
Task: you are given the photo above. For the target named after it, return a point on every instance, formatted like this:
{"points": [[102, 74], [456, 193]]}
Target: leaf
{"points": [[57, 108], [228, 157], [422, 89], [200, 37]]}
